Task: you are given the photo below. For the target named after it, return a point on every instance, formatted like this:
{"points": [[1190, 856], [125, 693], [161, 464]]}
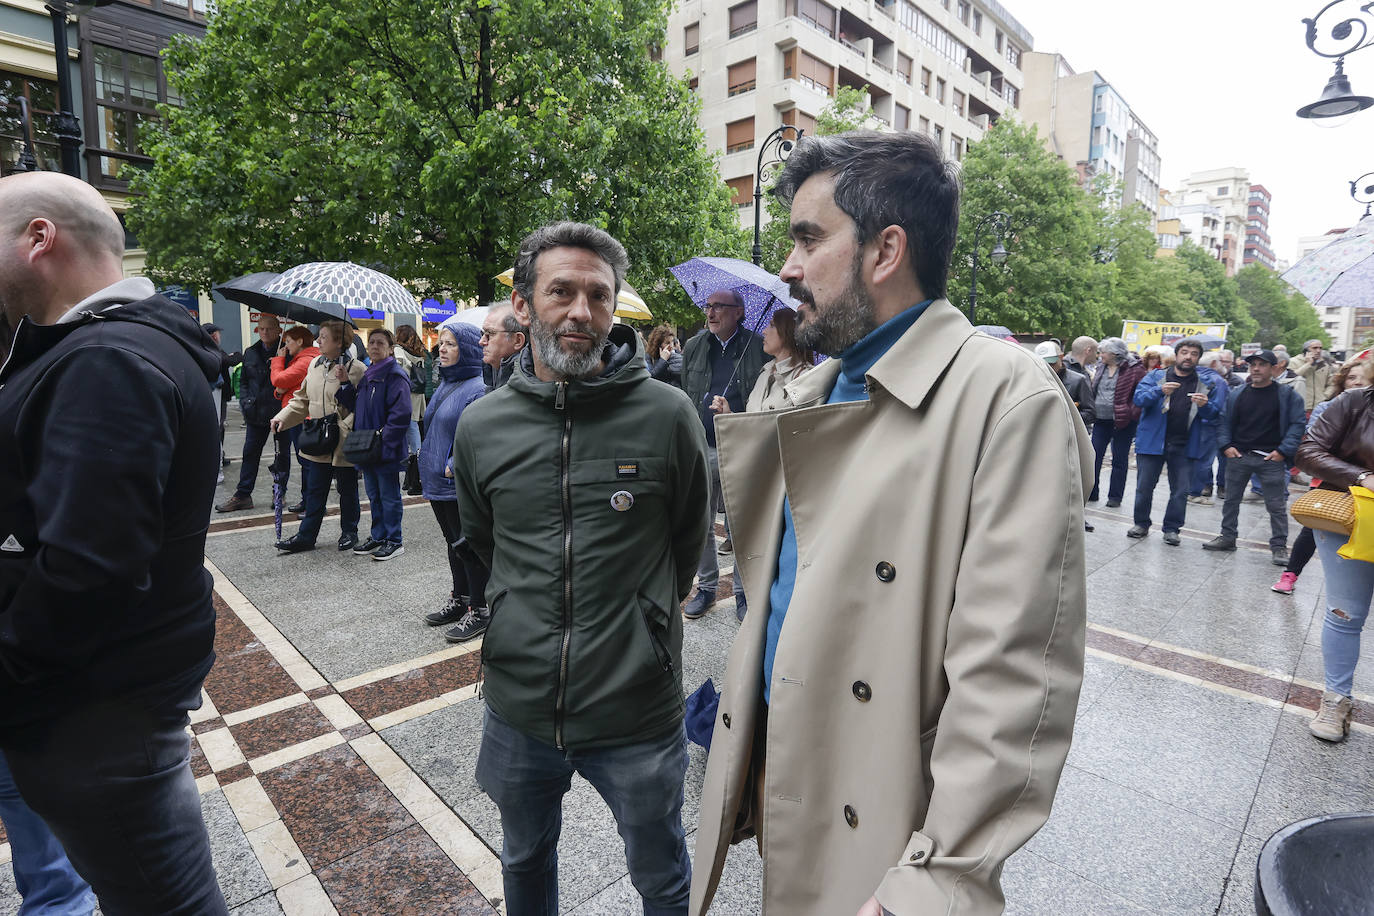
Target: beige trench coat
{"points": [[767, 393], [926, 679], [315, 398]]}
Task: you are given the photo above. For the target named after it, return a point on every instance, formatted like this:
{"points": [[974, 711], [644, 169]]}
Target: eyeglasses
{"points": [[716, 307]]}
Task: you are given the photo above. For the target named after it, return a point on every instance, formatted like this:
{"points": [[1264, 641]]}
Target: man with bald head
{"points": [[1082, 356], [107, 469]]}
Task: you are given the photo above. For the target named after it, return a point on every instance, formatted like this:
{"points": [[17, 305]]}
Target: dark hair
{"points": [[659, 336], [407, 338], [567, 235], [390, 337], [1190, 342], [300, 334], [785, 323], [887, 179]]}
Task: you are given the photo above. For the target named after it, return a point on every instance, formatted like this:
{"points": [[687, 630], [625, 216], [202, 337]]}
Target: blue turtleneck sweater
{"points": [[849, 386]]}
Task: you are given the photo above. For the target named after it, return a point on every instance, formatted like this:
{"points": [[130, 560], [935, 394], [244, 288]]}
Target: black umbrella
{"points": [[248, 289]]}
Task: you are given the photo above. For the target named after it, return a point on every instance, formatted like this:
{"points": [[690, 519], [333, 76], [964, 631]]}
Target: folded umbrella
{"points": [[281, 469]]}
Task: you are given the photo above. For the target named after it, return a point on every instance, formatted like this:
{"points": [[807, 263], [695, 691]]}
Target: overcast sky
{"points": [[1218, 81]]}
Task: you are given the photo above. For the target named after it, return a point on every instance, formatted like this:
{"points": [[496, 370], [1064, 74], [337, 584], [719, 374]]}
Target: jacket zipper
{"points": [[565, 477]]}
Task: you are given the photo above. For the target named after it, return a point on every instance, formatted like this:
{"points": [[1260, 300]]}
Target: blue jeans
{"points": [[113, 781], [1273, 476], [46, 881], [1147, 470], [315, 488], [1349, 589], [413, 438], [1105, 433], [383, 482], [642, 785], [1202, 471]]}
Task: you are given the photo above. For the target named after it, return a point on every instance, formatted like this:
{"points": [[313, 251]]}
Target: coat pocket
{"points": [[487, 638], [656, 623]]}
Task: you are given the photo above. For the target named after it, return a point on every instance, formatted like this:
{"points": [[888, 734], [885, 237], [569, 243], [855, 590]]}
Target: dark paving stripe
{"points": [[414, 686], [404, 873], [234, 774], [245, 673], [209, 725], [280, 729], [318, 692], [199, 765], [334, 805]]}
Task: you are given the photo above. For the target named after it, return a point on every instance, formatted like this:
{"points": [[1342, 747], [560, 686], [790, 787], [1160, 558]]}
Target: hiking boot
{"points": [[1221, 493], [1280, 555], [1207, 491], [1285, 584], [452, 612], [471, 625], [1137, 531], [368, 546], [1220, 542], [726, 546], [348, 541], [699, 604], [235, 503], [1332, 721], [388, 550], [1171, 538], [1113, 504]]}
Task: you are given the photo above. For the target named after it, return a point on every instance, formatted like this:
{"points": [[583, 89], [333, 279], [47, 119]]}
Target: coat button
{"points": [[886, 571], [725, 717], [851, 817], [862, 692]]}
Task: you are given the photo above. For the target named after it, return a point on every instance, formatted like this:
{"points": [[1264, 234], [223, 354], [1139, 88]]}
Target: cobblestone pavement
{"points": [[336, 747]]}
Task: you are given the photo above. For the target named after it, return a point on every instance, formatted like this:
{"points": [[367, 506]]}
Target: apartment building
{"points": [[1258, 248], [1228, 190], [1084, 121], [949, 68], [1168, 226]]}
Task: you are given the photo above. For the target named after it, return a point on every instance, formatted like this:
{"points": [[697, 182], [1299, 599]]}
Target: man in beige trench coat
{"points": [[899, 705]]}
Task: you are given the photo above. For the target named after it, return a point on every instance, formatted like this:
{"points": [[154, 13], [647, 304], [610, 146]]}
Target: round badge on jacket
{"points": [[622, 500]]}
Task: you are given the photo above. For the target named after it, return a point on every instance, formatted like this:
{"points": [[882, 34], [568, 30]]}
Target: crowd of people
{"points": [[575, 470]]}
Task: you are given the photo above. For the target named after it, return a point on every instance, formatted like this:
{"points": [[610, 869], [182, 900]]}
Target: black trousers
{"points": [[469, 576]]}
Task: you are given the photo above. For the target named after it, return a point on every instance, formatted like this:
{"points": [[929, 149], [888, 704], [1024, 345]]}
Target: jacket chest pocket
{"points": [[619, 494]]}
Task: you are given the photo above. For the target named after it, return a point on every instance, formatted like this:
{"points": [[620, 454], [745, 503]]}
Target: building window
{"points": [[997, 40], [925, 81], [977, 23], [800, 120], [693, 83], [939, 135], [904, 67], [820, 15], [1098, 103], [932, 33], [901, 117], [939, 90], [1224, 191], [1014, 55], [691, 38], [956, 146], [808, 70], [959, 102], [923, 125], [964, 9], [41, 98], [126, 95], [744, 18], [739, 135], [741, 77], [741, 190], [1012, 95]]}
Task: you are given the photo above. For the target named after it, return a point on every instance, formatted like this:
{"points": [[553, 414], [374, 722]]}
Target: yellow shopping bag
{"points": [[1361, 543]]}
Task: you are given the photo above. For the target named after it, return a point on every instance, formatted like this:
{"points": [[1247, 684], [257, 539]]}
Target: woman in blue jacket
{"points": [[381, 401], [460, 383]]}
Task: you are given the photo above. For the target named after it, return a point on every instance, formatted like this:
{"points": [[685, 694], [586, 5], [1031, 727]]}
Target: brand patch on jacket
{"points": [[12, 544], [626, 469], [622, 500]]}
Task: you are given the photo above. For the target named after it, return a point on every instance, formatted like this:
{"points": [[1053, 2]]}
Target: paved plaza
{"points": [[336, 747]]}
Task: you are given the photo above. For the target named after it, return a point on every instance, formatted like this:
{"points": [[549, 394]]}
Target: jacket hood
{"points": [[624, 358], [164, 315], [469, 363]]}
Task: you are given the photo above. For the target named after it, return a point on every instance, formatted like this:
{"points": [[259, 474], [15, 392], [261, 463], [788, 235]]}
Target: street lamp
{"points": [[1351, 34], [1001, 224], [68, 128], [779, 147], [28, 162], [1364, 185]]}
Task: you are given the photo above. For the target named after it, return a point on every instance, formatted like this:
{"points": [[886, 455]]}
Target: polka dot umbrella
{"points": [[330, 288]]}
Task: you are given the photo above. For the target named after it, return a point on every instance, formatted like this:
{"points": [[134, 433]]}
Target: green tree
{"points": [[428, 138], [1205, 283], [1282, 314]]}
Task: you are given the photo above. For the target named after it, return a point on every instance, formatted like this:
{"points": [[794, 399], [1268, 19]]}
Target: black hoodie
{"points": [[108, 454]]}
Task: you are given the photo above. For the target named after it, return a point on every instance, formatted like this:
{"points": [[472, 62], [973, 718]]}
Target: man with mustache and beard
{"points": [[909, 531], [582, 484]]}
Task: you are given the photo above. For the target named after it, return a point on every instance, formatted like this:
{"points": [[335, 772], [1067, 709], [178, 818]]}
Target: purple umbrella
{"points": [[281, 470], [763, 292]]}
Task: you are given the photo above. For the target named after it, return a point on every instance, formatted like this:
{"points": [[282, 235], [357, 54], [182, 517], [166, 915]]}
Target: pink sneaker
{"points": [[1285, 584]]}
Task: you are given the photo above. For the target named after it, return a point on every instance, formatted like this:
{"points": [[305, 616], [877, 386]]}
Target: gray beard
{"points": [[842, 323], [565, 365]]}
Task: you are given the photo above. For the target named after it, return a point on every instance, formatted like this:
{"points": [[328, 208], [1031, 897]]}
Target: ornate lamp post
{"points": [[1001, 224], [28, 161], [68, 128], [778, 146], [1349, 35], [1362, 190]]}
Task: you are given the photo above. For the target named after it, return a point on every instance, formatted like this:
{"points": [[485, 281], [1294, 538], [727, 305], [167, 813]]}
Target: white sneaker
{"points": [[1332, 721]]}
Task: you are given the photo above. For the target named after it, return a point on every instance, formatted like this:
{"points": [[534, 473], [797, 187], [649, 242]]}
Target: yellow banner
{"points": [[1141, 334]]}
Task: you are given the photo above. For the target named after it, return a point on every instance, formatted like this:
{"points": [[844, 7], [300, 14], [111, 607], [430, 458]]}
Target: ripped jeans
{"points": [[1349, 589]]}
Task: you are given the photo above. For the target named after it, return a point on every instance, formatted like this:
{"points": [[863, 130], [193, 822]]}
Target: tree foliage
{"points": [[1282, 315], [429, 139]]}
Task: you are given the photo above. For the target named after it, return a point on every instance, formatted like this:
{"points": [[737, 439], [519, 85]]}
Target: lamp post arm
{"points": [[779, 146], [1364, 185], [1351, 34]]}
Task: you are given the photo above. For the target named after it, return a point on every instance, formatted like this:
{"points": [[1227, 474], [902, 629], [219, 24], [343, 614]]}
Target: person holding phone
{"points": [[1260, 429]]}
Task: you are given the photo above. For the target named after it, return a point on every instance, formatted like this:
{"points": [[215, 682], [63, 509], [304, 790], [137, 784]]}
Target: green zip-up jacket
{"points": [[589, 502]]}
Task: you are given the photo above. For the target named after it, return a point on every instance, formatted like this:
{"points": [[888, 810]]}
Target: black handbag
{"points": [[363, 447], [319, 437]]}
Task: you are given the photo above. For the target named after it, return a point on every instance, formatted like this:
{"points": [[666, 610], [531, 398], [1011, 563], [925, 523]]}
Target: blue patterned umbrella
{"points": [[333, 287], [763, 292], [281, 470]]}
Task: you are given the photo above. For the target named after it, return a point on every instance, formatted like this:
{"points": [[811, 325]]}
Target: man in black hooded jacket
{"points": [[108, 438]]}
